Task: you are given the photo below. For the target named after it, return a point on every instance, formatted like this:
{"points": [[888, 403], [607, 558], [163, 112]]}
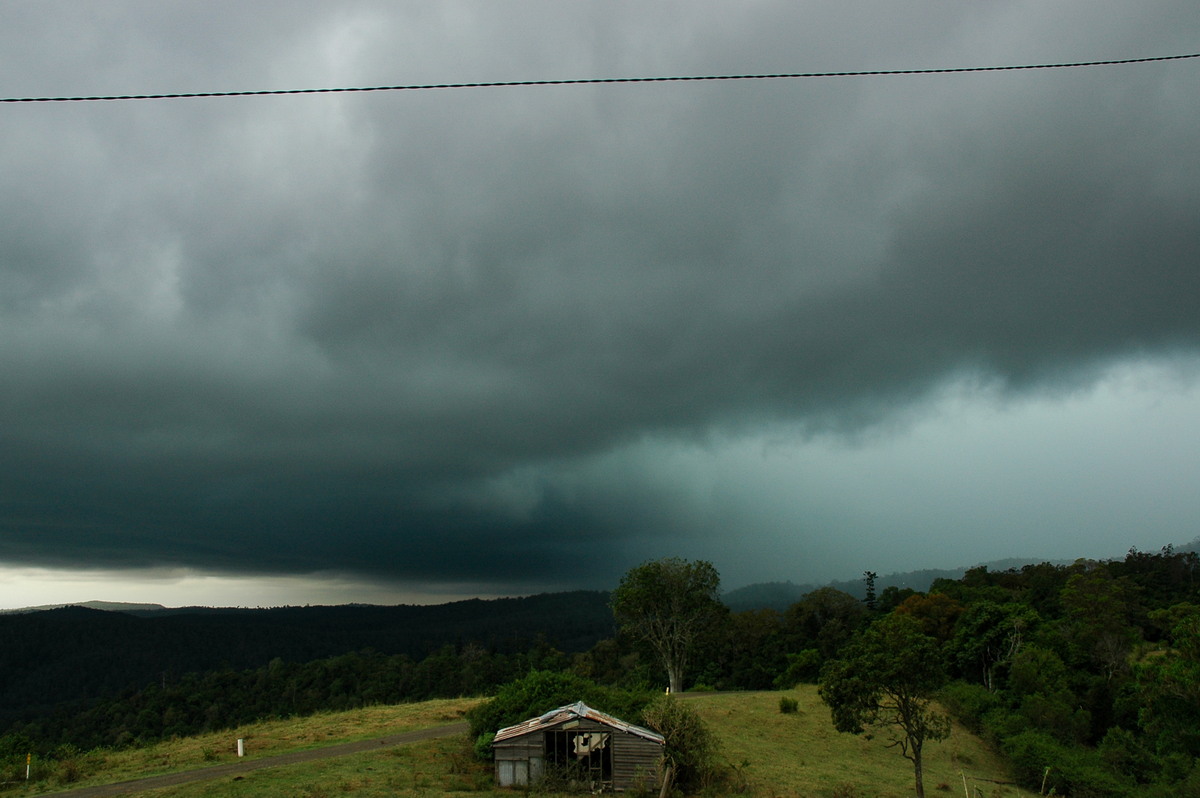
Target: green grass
{"points": [[262, 739], [801, 754], [772, 754], [436, 767]]}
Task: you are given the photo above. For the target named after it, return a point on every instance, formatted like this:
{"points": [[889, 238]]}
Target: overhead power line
{"points": [[592, 81]]}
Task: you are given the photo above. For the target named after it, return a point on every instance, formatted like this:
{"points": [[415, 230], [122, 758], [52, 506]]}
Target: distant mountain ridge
{"points": [[781, 595], [104, 606]]}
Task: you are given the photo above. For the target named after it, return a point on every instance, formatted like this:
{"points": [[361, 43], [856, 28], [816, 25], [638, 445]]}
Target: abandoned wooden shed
{"points": [[595, 748]]}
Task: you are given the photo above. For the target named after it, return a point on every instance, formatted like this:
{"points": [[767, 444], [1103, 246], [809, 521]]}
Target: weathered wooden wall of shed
{"points": [[635, 761], [519, 760], [519, 747]]}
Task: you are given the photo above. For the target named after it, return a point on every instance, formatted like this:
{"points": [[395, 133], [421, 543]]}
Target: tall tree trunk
{"points": [[917, 771]]}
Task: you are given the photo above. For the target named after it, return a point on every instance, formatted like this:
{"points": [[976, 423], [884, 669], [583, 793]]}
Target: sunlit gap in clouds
{"points": [[181, 587]]}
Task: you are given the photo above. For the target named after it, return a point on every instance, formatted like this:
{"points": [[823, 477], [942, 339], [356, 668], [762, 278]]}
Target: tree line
{"points": [[223, 699], [75, 656]]}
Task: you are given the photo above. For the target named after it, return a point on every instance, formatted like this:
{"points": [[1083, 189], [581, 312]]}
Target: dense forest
{"points": [[1086, 676], [59, 663]]}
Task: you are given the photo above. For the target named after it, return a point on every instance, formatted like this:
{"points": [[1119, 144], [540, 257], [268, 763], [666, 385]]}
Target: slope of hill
{"points": [[74, 653], [769, 754]]}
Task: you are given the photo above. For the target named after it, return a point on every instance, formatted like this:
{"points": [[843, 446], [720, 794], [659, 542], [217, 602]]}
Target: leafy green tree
{"points": [[802, 668], [937, 613], [886, 679], [988, 635], [615, 662], [1041, 587], [1099, 610], [977, 584], [825, 619], [1036, 669], [1167, 686], [892, 596], [1164, 578], [748, 652], [669, 604]]}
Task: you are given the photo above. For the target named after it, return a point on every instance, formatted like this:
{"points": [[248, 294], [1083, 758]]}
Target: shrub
{"points": [[788, 706], [71, 764], [483, 745], [1183, 780], [542, 691], [13, 750], [846, 790], [1123, 752], [802, 668], [1074, 771], [1000, 723], [968, 703], [1059, 714], [691, 747]]}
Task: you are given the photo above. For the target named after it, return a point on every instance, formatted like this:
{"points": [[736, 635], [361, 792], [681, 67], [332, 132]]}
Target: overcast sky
{"points": [[418, 345]]}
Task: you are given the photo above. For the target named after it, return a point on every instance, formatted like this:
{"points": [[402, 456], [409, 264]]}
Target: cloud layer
{"points": [[293, 334]]}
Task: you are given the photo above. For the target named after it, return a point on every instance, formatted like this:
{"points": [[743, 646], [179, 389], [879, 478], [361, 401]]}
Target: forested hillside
{"points": [[67, 658]]}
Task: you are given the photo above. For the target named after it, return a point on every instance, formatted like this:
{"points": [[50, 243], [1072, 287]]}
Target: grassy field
{"points": [[801, 754], [773, 755], [261, 739]]}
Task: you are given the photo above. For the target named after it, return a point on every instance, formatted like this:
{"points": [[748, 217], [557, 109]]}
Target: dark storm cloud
{"points": [[282, 335]]}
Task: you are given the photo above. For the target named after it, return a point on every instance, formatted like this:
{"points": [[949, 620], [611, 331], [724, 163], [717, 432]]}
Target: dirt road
{"points": [[245, 766]]}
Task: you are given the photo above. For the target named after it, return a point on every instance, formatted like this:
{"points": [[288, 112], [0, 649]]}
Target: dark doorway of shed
{"points": [[584, 757]]}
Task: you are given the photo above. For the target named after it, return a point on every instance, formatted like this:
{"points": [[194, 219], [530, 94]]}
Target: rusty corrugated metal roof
{"points": [[576, 710]]}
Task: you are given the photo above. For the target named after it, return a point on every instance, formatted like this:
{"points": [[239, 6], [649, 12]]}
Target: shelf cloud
{"points": [[519, 338]]}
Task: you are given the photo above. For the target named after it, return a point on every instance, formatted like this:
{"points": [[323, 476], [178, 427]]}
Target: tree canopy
{"points": [[886, 679], [669, 604]]}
